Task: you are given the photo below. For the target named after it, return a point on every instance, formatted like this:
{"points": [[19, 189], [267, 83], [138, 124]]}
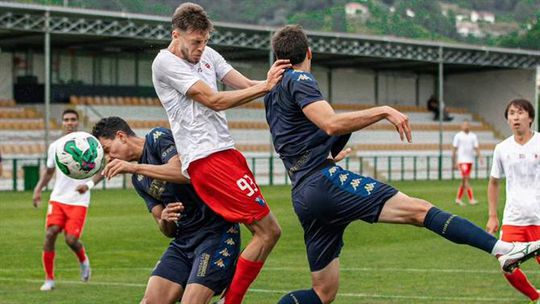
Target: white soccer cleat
{"points": [[86, 271], [519, 254], [459, 202], [47, 286], [473, 202]]}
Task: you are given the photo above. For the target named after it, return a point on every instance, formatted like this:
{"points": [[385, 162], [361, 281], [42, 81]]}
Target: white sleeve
{"points": [[175, 73], [455, 143], [497, 170], [50, 156], [220, 64]]}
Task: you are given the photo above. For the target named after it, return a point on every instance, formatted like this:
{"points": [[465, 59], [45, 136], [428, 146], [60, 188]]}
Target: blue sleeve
{"points": [[148, 200], [163, 144], [339, 144], [304, 89]]}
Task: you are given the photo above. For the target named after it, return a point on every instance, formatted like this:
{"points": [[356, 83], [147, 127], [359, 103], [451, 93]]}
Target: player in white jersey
{"points": [[66, 210], [464, 146], [184, 77], [518, 159]]}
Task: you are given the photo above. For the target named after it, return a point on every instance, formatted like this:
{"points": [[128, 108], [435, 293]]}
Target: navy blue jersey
{"points": [[301, 145], [159, 148]]}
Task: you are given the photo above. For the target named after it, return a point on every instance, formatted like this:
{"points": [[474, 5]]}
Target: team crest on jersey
{"points": [[157, 134], [260, 201], [303, 77]]}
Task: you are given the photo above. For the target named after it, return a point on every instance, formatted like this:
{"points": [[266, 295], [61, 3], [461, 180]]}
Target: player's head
{"points": [[466, 126], [113, 133], [519, 114], [191, 30], [291, 43], [70, 120]]}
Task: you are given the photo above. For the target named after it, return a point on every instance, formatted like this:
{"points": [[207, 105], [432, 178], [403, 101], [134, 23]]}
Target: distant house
{"points": [[410, 13], [357, 10], [466, 28], [482, 16]]}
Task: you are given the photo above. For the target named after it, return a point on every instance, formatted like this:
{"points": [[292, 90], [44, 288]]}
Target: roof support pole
{"points": [[47, 77], [441, 108]]}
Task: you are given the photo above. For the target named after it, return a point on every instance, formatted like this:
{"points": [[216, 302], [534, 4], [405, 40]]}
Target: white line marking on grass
{"points": [[277, 291]]}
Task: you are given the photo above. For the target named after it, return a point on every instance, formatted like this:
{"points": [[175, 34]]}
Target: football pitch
{"points": [[380, 263]]}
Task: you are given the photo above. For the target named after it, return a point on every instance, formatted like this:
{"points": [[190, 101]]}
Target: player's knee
{"points": [[71, 240], [51, 234], [327, 294], [421, 209], [273, 233]]}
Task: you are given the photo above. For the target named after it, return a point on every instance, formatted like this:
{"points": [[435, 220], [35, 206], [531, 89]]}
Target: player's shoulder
{"points": [[156, 134], [299, 75]]}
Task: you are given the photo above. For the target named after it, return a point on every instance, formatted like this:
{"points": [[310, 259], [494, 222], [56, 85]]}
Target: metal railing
{"points": [[22, 173]]}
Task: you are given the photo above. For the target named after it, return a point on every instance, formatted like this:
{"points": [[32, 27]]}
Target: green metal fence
{"points": [[22, 173]]}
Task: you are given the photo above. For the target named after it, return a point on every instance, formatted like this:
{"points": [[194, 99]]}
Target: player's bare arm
{"points": [[454, 163], [167, 216], [238, 81], [342, 154], [45, 178], [169, 172], [89, 185], [324, 116], [492, 225], [219, 101]]}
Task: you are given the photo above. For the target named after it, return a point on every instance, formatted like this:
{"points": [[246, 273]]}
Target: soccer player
{"points": [[199, 262], [518, 159], [326, 198], [465, 145], [184, 77], [67, 208]]}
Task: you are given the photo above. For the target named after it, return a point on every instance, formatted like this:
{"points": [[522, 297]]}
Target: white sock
{"points": [[501, 247]]}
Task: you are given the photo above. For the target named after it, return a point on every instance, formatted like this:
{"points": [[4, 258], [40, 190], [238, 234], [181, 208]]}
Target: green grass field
{"points": [[380, 263]]}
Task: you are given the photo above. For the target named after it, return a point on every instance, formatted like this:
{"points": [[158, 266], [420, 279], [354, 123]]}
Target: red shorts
{"points": [[520, 234], [68, 217], [225, 183], [465, 169]]}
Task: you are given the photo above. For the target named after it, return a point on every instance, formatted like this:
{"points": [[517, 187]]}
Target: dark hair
{"points": [[290, 43], [191, 17], [108, 126], [70, 111], [522, 104]]}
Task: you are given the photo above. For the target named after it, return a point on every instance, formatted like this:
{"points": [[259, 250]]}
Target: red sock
{"points": [[460, 192], [81, 255], [519, 280], [470, 193], [48, 264], [245, 274]]}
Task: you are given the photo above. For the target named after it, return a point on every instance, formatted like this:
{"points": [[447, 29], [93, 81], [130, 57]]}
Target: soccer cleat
{"points": [[459, 202], [473, 202], [86, 271], [47, 286], [519, 254]]}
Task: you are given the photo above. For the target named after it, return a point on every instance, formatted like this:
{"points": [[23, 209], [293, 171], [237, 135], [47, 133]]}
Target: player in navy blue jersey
{"points": [[199, 263], [307, 133]]}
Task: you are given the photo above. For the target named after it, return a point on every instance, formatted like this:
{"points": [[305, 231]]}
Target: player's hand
{"points": [[81, 188], [492, 225], [343, 154], [117, 166], [36, 199], [401, 122], [275, 73], [172, 212]]}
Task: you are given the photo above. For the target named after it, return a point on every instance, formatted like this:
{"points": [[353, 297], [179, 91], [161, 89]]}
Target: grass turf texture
{"points": [[380, 263]]}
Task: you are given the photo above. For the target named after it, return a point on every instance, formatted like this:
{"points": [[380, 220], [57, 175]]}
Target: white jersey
{"points": [[521, 166], [465, 145], [64, 186], [198, 130]]}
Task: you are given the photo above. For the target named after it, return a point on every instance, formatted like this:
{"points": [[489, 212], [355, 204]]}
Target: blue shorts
{"points": [[330, 199], [210, 263]]}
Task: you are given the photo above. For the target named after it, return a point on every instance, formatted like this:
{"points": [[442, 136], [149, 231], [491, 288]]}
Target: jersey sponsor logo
{"points": [[167, 151], [203, 265], [156, 189], [303, 77]]}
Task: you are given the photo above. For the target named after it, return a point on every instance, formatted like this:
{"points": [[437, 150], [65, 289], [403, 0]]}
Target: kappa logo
{"points": [[157, 134], [303, 77]]}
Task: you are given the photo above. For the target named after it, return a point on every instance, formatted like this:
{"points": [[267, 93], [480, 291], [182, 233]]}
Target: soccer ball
{"points": [[79, 155]]}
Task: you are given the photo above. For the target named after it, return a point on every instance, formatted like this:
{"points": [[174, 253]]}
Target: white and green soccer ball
{"points": [[79, 155]]}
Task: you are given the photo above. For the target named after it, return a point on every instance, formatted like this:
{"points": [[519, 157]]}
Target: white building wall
{"points": [[321, 76], [426, 88], [487, 93], [353, 86], [6, 76], [397, 88]]}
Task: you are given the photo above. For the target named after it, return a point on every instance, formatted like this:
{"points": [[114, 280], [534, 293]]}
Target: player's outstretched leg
{"points": [[402, 209], [48, 257], [76, 245]]}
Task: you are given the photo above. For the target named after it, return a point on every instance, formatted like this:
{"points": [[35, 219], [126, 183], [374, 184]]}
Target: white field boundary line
{"points": [[277, 291], [306, 269]]}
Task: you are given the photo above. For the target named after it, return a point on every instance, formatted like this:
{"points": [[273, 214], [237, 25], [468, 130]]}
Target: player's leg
{"points": [[197, 294], [54, 224], [160, 290], [462, 186], [402, 209], [76, 217], [517, 277]]}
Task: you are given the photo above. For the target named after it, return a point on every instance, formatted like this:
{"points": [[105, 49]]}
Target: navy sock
{"points": [[301, 297], [458, 230]]}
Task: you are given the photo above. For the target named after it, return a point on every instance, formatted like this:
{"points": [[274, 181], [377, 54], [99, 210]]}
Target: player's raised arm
{"points": [[166, 217], [169, 172], [222, 100], [322, 114]]}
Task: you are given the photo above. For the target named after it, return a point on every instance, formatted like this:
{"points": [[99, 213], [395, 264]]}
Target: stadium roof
{"points": [[22, 27]]}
